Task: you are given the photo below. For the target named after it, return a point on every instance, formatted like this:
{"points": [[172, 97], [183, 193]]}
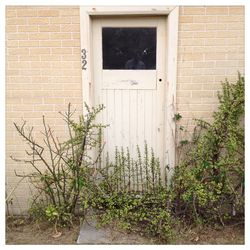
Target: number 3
{"points": [[84, 61]]}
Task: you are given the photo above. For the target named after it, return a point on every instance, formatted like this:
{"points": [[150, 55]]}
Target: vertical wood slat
{"points": [[140, 118], [125, 119], [133, 121]]}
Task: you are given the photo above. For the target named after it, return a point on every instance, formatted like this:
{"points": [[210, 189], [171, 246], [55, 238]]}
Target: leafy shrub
{"points": [[61, 179], [209, 183], [133, 193]]}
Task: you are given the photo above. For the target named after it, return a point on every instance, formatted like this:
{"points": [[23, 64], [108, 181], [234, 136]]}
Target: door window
{"points": [[129, 48]]}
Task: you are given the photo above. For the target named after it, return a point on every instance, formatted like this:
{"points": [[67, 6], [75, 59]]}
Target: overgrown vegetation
{"points": [[133, 193], [60, 170], [207, 186]]}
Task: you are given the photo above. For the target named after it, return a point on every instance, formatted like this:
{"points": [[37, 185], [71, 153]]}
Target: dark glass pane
{"points": [[129, 48]]}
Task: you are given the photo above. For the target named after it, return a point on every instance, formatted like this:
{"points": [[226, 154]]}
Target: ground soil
{"points": [[23, 231]]}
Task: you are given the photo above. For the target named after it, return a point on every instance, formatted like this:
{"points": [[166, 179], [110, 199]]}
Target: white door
{"points": [[129, 79]]}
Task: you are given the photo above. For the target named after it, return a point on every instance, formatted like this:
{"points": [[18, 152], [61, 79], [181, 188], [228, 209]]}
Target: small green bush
{"points": [[133, 193], [61, 179], [208, 185]]}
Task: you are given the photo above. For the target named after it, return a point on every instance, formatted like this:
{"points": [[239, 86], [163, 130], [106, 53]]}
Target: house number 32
{"points": [[84, 61]]}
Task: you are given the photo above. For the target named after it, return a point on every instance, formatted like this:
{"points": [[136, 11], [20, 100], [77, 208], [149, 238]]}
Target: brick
{"points": [[40, 65], [206, 64], [12, 58], [205, 19], [30, 72], [65, 79], [19, 79], [10, 29], [18, 51], [71, 43], [211, 86], [61, 51], [228, 34], [214, 71], [70, 28], [235, 56], [29, 58], [75, 19], [32, 101], [49, 28], [192, 27], [70, 12], [216, 26], [26, 13], [202, 79], [205, 34], [38, 21], [236, 26], [38, 51], [191, 86], [71, 57], [60, 20], [183, 93], [216, 10], [18, 36], [11, 43], [60, 36], [22, 107], [12, 72], [16, 21], [42, 93], [39, 79], [235, 41], [76, 35], [214, 41], [192, 56], [53, 100], [191, 42], [50, 43], [10, 13], [28, 43], [18, 65], [202, 93], [27, 86], [227, 63], [48, 13], [237, 10], [186, 19], [50, 58], [200, 107], [194, 10], [230, 19], [39, 36], [215, 56], [61, 64], [27, 28], [185, 64]]}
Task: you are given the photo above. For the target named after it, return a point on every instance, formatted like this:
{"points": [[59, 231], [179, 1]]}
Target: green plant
{"points": [[132, 194], [208, 185], [61, 179]]}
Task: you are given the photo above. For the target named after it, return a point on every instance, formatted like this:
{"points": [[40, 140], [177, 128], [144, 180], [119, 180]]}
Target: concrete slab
{"points": [[108, 235], [89, 234]]}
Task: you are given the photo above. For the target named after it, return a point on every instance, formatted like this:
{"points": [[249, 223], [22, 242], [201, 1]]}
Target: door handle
{"points": [[133, 82]]}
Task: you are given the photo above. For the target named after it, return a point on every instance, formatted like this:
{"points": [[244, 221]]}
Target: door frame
{"points": [[87, 13]]}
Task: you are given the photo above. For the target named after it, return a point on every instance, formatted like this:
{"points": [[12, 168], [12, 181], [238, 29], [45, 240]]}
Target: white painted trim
{"points": [[172, 45], [172, 13], [127, 10]]}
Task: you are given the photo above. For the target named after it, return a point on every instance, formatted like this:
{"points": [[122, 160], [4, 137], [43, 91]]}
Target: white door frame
{"points": [[172, 13]]}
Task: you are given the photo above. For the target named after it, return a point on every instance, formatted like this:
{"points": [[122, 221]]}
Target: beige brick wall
{"points": [[211, 48], [43, 70], [43, 74]]}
